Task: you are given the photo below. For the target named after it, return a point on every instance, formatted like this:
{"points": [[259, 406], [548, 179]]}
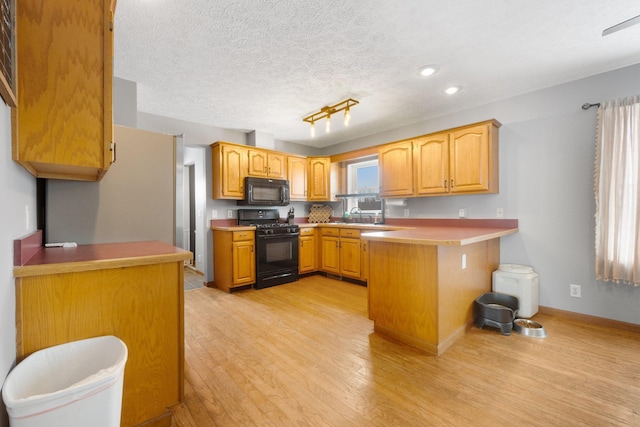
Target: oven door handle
{"points": [[276, 236]]}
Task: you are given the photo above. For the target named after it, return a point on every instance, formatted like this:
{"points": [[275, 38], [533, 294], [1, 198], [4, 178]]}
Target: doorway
{"points": [[190, 211]]}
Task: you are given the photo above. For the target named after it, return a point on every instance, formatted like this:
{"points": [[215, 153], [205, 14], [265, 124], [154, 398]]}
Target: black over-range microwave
{"points": [[265, 192]]}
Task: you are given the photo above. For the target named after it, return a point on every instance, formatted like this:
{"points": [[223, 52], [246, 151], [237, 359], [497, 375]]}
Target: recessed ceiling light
{"points": [[427, 70], [451, 90]]}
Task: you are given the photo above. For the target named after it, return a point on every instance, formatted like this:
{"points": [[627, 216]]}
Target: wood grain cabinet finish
{"points": [[266, 164], [229, 168], [297, 176], [233, 259], [142, 305], [341, 251], [420, 295], [63, 124], [395, 162], [319, 178], [463, 160], [307, 251]]}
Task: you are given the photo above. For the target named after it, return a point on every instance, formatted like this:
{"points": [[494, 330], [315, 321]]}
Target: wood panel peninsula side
{"points": [[422, 282], [134, 291]]}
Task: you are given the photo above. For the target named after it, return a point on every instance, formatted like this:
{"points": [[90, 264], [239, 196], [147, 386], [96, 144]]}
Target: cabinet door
{"points": [[469, 159], [396, 166], [318, 172], [233, 170], [350, 257], [364, 253], [258, 163], [63, 123], [244, 263], [431, 164], [276, 166], [297, 176], [330, 254], [307, 254]]}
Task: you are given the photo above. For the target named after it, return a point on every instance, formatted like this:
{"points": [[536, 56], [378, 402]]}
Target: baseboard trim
{"points": [[600, 321]]}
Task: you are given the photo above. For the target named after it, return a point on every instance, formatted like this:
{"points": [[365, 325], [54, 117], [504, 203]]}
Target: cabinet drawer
{"points": [[242, 235], [306, 231], [330, 231], [350, 232]]}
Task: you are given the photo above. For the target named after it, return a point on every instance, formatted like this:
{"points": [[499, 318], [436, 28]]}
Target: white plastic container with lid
{"points": [[521, 282]]}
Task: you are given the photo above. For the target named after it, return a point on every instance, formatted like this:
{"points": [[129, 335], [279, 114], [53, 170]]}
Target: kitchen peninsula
{"points": [[131, 290], [422, 282]]}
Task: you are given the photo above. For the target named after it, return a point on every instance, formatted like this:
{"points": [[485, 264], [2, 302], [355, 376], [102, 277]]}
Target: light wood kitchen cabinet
{"points": [[341, 251], [431, 164], [395, 162], [460, 160], [266, 164], [330, 250], [350, 252], [318, 178], [63, 124], [234, 261], [473, 154], [364, 272], [297, 176], [307, 251], [229, 168]]}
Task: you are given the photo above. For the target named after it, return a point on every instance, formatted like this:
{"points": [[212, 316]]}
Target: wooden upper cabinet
{"points": [[431, 164], [474, 159], [318, 179], [297, 176], [266, 164], [395, 162], [229, 168], [63, 124]]}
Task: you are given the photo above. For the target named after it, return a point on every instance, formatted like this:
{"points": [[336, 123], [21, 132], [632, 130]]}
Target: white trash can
{"points": [[73, 384], [519, 281]]}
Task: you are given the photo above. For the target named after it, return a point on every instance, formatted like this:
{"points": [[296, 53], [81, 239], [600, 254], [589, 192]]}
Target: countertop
{"points": [[99, 256], [450, 236], [424, 231]]}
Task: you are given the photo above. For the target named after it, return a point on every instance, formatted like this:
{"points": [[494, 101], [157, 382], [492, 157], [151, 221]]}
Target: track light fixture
{"points": [[326, 112]]}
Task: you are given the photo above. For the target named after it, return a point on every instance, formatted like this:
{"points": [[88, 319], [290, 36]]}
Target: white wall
{"points": [[547, 146], [17, 191]]}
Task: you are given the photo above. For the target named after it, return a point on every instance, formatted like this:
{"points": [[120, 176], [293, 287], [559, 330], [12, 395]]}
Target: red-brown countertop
{"points": [[99, 256], [439, 235]]}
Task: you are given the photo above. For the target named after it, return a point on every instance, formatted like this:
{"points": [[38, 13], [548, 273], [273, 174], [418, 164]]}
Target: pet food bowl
{"points": [[495, 310], [529, 328]]}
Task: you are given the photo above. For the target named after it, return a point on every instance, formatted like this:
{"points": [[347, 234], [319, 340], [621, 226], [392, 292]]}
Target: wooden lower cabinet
{"points": [[142, 305], [307, 251], [420, 295], [234, 262], [341, 252]]}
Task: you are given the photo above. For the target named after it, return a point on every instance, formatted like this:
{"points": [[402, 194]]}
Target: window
{"points": [[617, 191], [362, 178]]}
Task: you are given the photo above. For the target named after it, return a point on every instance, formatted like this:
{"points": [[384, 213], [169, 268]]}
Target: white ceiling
{"points": [[264, 65]]}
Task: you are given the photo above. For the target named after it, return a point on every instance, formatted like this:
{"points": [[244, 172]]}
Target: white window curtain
{"points": [[617, 191]]}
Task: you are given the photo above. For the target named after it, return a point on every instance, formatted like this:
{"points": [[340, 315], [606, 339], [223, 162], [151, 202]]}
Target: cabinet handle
{"points": [[452, 183], [445, 184]]}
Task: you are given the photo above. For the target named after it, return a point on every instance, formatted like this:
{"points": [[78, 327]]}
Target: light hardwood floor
{"points": [[305, 354]]}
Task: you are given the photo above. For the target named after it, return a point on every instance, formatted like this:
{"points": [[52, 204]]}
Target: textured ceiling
{"points": [[264, 65]]}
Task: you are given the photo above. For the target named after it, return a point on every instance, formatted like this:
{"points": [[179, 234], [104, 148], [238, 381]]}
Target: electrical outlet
{"points": [[214, 214], [462, 212], [199, 257], [464, 261], [406, 213], [575, 291], [386, 213], [229, 213], [499, 213]]}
